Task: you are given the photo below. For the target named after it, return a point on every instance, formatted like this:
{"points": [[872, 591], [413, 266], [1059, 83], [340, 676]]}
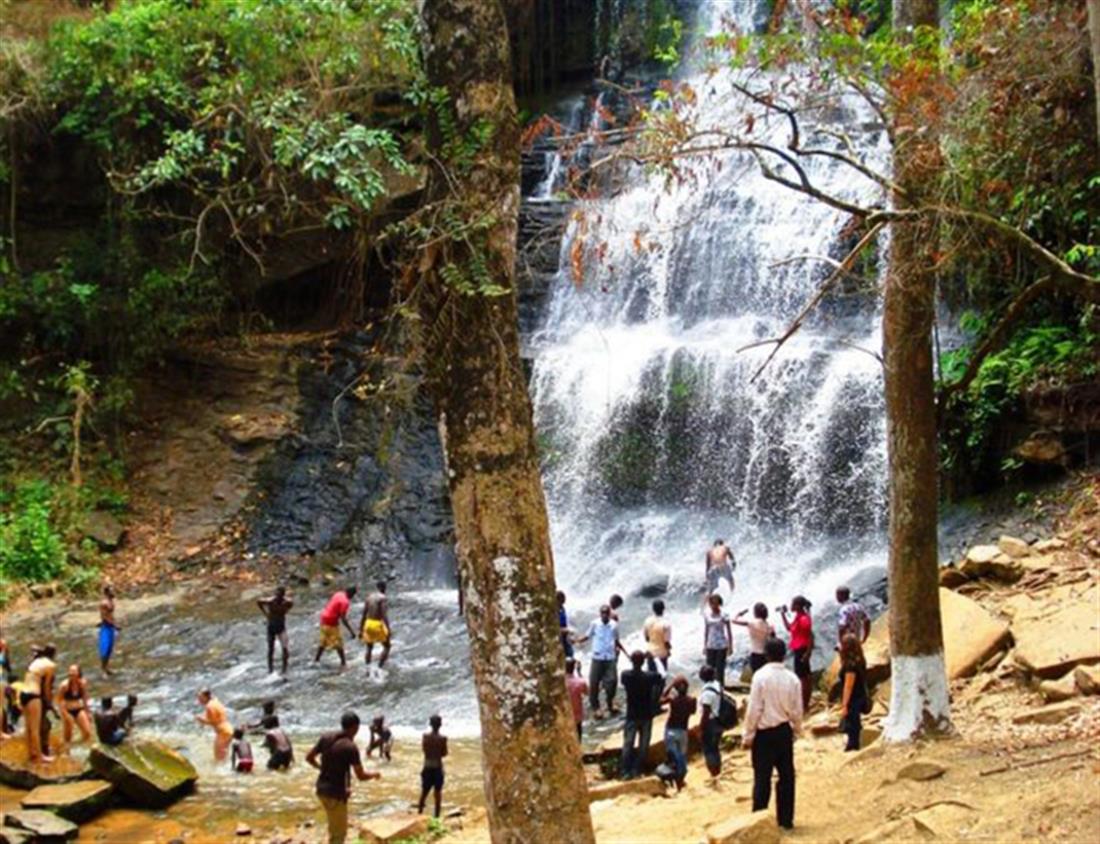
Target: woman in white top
{"points": [[35, 698], [759, 632]]}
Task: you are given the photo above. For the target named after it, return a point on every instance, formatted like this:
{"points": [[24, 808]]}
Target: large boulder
{"points": [[44, 827], [970, 636], [16, 770], [653, 587], [1087, 679], [612, 747], [74, 801], [757, 828], [396, 827], [147, 773], [990, 561], [104, 529], [1055, 635]]}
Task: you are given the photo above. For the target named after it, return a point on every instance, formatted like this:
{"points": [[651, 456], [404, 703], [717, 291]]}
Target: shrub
{"points": [[30, 546]]}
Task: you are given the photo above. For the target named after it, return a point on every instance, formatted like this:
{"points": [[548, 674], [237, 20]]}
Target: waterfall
{"points": [[655, 438]]}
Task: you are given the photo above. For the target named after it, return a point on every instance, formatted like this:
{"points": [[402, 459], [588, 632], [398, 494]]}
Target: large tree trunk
{"points": [[919, 701], [1094, 37], [534, 784]]}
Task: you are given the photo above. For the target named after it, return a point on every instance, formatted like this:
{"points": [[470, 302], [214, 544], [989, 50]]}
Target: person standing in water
{"points": [[802, 644], [374, 626], [72, 695], [333, 615], [214, 715], [278, 745], [381, 739], [434, 745], [241, 753], [658, 634], [719, 565], [108, 628], [760, 630], [36, 700], [275, 609], [335, 756], [717, 637]]}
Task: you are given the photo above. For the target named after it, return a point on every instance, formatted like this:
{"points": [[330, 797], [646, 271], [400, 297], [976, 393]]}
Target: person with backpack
{"points": [[711, 702], [855, 702], [772, 720]]}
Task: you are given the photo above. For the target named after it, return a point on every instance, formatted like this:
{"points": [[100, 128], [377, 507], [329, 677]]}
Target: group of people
{"points": [[778, 696]]}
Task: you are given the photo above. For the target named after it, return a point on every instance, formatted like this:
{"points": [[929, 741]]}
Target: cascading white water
{"points": [[656, 440]]}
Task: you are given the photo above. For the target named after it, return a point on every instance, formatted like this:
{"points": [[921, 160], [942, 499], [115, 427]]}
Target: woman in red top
{"points": [[802, 643]]}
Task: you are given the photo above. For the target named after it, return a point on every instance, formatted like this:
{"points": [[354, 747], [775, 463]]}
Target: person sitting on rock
{"points": [[112, 727], [240, 753], [278, 745], [214, 715], [381, 739]]}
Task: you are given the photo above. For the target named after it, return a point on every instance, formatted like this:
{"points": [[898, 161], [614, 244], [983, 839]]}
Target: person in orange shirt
{"points": [[214, 715]]}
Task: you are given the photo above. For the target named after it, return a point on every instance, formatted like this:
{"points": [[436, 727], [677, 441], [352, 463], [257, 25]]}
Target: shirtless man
{"points": [[381, 739], [720, 565], [108, 628], [374, 627], [275, 609], [434, 745]]}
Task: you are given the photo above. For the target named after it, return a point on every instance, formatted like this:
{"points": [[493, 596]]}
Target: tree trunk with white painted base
{"points": [[919, 702], [463, 283]]}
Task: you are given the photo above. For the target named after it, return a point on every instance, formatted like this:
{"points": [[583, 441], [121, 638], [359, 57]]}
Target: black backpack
{"points": [[727, 712]]}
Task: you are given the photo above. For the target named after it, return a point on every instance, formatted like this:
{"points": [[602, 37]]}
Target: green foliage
{"points": [[30, 546], [1044, 355]]}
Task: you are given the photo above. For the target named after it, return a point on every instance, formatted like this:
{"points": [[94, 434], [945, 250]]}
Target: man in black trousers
{"points": [[773, 719]]}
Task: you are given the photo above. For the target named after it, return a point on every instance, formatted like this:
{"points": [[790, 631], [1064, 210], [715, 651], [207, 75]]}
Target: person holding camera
{"points": [[802, 643]]}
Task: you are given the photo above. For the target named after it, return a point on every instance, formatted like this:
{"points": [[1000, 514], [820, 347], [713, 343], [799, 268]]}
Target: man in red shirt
{"points": [[335, 612], [577, 689]]}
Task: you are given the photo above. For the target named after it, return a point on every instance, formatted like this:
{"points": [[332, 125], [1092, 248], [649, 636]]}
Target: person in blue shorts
{"points": [[108, 628]]}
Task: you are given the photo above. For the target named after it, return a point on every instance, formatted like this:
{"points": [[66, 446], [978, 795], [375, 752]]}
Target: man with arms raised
{"points": [[336, 756]]}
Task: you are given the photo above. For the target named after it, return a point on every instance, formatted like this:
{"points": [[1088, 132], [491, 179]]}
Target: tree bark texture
{"points": [[919, 692], [1094, 39], [534, 783]]}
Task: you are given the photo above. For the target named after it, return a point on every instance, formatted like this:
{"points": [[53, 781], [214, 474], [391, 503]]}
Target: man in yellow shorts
{"points": [[335, 613], [374, 628]]}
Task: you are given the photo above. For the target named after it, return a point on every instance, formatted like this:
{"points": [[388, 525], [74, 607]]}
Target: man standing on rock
{"points": [[374, 626], [108, 629], [639, 686], [335, 755], [852, 619], [772, 720], [719, 565], [604, 633], [275, 609], [335, 613]]}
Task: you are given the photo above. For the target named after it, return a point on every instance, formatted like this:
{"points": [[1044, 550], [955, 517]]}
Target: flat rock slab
{"points": [[1055, 713], [147, 773], [45, 827], [1013, 547], [947, 821], [75, 801], [398, 827], [921, 770], [18, 772], [757, 828], [1055, 636], [643, 786], [11, 835]]}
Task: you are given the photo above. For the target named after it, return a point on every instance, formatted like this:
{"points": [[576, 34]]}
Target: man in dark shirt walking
{"points": [[641, 695], [336, 756]]}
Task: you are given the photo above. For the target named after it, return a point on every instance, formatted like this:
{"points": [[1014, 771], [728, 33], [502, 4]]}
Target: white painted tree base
{"points": [[919, 701]]}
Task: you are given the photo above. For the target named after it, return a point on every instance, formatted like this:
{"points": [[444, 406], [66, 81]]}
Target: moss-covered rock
{"points": [[147, 773], [74, 801]]}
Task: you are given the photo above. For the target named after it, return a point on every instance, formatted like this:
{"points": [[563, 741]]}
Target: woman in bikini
{"points": [[72, 696], [35, 697], [214, 715]]}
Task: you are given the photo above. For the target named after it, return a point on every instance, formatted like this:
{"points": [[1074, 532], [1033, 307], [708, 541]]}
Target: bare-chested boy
{"points": [[374, 627]]}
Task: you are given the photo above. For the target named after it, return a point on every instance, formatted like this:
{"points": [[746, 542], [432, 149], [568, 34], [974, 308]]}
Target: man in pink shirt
{"points": [[577, 689], [335, 612]]}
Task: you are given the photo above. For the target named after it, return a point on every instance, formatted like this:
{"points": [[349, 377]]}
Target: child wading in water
{"points": [[431, 777], [241, 750], [381, 739]]}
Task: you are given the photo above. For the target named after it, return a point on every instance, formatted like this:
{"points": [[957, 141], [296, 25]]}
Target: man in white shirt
{"points": [[772, 720], [604, 633], [658, 634]]}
